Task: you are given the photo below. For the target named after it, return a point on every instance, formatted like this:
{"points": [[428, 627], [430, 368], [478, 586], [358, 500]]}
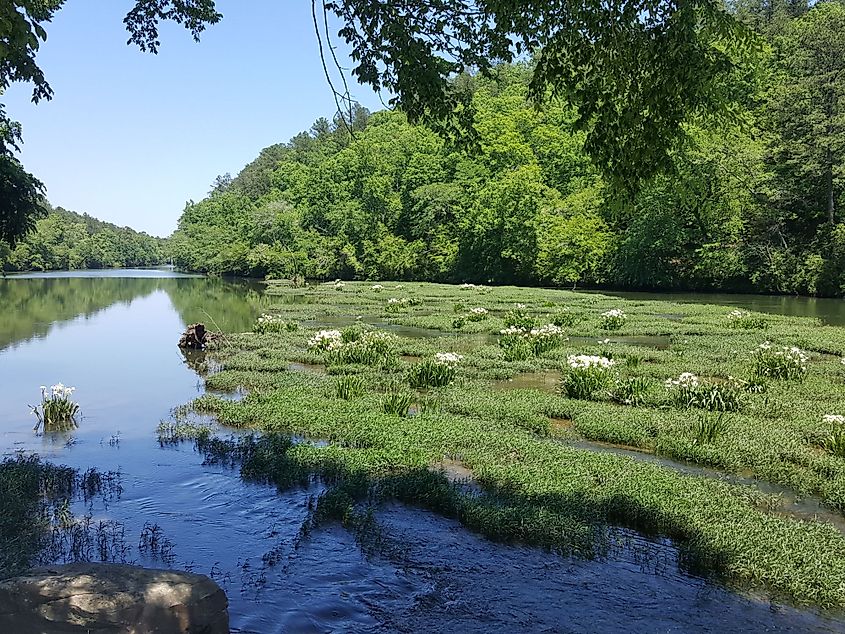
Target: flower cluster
{"points": [[56, 411], [837, 419], [273, 323], [326, 340], [339, 285], [787, 362], [587, 374], [520, 342], [718, 396], [613, 319], [448, 358], [686, 380], [477, 314], [588, 361], [467, 286], [378, 288], [57, 391], [745, 320]]}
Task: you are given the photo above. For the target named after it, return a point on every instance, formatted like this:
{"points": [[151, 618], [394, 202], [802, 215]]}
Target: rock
{"points": [[110, 599], [196, 337]]}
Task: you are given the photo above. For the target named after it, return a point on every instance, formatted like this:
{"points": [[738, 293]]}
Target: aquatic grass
{"points": [[708, 428], [718, 396], [534, 488], [397, 402], [787, 362], [56, 412], [174, 432], [348, 386], [586, 375], [267, 323], [439, 371], [613, 319], [744, 320], [631, 390]]}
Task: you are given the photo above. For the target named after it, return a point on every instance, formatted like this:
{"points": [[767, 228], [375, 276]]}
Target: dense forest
{"points": [[67, 240], [752, 200]]}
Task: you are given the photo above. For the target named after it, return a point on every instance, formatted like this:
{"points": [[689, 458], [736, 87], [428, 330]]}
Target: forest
{"points": [[752, 199], [65, 240]]}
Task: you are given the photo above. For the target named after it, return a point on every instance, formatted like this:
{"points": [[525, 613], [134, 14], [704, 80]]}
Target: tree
{"points": [[807, 114], [635, 69]]}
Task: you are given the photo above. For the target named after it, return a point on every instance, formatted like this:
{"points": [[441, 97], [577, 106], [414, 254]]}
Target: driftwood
{"points": [[196, 337]]}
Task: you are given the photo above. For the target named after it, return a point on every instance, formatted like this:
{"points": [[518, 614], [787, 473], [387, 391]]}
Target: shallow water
{"points": [[113, 337], [829, 310]]}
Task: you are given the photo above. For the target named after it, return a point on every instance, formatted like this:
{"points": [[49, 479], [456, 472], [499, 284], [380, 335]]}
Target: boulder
{"points": [[110, 599]]}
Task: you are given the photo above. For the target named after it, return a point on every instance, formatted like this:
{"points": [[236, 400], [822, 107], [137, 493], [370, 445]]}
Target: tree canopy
{"points": [[633, 69]]}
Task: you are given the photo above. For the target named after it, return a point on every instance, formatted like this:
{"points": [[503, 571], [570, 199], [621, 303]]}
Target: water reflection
{"points": [[34, 304]]}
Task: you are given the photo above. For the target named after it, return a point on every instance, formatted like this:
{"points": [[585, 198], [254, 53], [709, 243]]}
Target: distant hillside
{"points": [[67, 240]]}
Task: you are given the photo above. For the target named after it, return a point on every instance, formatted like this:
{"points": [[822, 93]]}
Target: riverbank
{"points": [[531, 481]]}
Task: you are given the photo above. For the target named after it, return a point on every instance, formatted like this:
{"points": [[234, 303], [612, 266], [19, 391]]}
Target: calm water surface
{"points": [[113, 335]]}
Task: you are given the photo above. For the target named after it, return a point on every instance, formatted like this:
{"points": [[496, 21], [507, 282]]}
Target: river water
{"points": [[112, 335]]}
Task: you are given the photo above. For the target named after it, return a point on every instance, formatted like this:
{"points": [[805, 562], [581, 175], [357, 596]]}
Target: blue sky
{"points": [[130, 137]]}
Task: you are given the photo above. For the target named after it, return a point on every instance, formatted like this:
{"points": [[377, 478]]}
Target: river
{"points": [[112, 335]]}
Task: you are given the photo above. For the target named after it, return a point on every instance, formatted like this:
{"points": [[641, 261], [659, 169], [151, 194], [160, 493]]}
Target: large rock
{"points": [[111, 599]]}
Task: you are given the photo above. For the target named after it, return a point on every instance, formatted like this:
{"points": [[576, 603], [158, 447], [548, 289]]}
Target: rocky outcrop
{"points": [[196, 337], [110, 599]]}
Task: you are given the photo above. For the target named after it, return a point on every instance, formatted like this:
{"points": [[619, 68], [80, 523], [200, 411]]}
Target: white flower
{"points": [[478, 311], [519, 306], [614, 313], [834, 418], [466, 286], [842, 360], [686, 380], [339, 285], [513, 331], [549, 330], [738, 314], [326, 340], [587, 361], [604, 342], [448, 358], [395, 300], [377, 287]]}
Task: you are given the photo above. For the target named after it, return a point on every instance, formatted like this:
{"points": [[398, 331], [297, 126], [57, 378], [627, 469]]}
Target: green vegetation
{"points": [[66, 240], [35, 521], [56, 412], [538, 456], [750, 202]]}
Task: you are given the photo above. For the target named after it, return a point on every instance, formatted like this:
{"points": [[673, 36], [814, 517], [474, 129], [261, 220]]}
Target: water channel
{"points": [[112, 335]]}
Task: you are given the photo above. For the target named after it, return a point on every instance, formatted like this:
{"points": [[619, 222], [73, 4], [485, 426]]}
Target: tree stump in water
{"points": [[196, 337]]}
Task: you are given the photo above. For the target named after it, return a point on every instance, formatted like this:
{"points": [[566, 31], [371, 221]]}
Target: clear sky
{"points": [[129, 137]]}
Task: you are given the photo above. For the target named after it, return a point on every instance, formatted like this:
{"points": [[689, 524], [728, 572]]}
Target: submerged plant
{"points": [[349, 386], [613, 319], [586, 375], [56, 412], [787, 362]]}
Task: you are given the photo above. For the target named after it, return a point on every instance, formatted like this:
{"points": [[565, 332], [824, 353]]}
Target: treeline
{"points": [[67, 240], [753, 200]]}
